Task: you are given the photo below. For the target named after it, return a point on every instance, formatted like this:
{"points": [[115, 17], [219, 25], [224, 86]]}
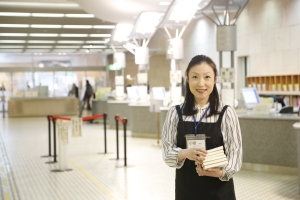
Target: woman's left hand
{"points": [[213, 172]]}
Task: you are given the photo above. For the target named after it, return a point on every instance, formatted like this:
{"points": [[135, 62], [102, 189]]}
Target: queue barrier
{"points": [[124, 122], [54, 118]]}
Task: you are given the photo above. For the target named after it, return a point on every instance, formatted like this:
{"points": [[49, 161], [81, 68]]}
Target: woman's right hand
{"points": [[195, 154]]}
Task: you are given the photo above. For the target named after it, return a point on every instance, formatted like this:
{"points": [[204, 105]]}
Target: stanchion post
{"points": [[125, 142], [54, 139], [105, 147], [117, 131], [49, 133]]}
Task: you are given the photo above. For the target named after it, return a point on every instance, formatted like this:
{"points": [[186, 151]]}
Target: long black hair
{"points": [[189, 101]]}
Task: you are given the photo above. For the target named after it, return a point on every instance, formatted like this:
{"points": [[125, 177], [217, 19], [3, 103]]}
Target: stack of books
{"points": [[215, 158]]}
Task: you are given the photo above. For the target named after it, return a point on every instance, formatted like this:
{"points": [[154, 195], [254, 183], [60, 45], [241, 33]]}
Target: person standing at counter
{"points": [[202, 117], [88, 94]]}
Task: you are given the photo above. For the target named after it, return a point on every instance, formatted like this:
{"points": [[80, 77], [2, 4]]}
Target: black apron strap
{"points": [[179, 113], [221, 114]]}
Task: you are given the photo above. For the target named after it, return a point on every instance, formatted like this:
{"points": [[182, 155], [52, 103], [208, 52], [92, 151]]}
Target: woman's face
{"points": [[201, 79]]}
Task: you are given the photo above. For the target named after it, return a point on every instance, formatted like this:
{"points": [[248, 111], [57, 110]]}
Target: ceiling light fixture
{"points": [[122, 32], [183, 10], [104, 26], [11, 47], [43, 35], [15, 14], [70, 42], [58, 15], [12, 41], [14, 25], [148, 21], [41, 41], [96, 42], [39, 47], [78, 26], [73, 35], [164, 3], [94, 47], [44, 26], [43, 5], [14, 34], [80, 15], [67, 47], [87, 50]]}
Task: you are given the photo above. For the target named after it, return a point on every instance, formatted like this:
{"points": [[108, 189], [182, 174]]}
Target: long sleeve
{"points": [[232, 142], [169, 144]]}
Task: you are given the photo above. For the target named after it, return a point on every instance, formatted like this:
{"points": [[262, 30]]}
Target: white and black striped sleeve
{"points": [[169, 141], [232, 143]]}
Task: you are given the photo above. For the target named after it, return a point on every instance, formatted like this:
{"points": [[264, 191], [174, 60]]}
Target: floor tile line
{"points": [[106, 191]]}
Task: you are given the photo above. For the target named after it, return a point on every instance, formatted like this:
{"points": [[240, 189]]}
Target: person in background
{"points": [[74, 91], [202, 113], [88, 94]]}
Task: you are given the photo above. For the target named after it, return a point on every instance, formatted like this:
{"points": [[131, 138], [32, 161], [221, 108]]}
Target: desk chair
{"points": [[287, 110]]}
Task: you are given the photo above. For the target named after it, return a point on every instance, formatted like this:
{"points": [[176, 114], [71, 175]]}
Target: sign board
{"points": [[76, 127]]}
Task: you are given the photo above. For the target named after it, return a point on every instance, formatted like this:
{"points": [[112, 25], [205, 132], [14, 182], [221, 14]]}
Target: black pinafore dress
{"points": [[190, 186]]}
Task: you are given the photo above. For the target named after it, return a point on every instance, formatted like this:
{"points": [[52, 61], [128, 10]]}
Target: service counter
{"points": [[99, 107], [269, 141], [120, 108], [143, 122], [41, 106]]}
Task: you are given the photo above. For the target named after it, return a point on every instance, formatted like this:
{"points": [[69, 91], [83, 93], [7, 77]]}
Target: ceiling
{"points": [[21, 34]]}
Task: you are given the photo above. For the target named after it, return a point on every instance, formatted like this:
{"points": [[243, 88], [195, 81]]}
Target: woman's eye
{"points": [[194, 76], [207, 76]]}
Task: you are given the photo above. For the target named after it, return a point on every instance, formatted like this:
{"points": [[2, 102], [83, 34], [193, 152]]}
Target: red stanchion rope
{"points": [[92, 117], [121, 119]]}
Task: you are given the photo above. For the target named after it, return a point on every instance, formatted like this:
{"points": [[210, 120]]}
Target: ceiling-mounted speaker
{"points": [[119, 60]]}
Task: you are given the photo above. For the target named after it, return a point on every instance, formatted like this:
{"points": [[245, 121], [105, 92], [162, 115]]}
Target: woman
{"points": [[202, 113]]}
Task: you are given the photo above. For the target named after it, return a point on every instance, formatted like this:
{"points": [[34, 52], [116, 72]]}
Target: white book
{"points": [[214, 161], [215, 153], [214, 158], [219, 164], [215, 149]]}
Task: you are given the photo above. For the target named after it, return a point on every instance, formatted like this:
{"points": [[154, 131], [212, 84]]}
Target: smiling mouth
{"points": [[201, 90]]}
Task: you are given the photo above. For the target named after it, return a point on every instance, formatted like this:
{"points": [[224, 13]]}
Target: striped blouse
{"points": [[230, 128]]}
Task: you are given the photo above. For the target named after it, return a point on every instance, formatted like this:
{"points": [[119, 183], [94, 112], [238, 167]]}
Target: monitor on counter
{"points": [[159, 93], [132, 93], [250, 97]]}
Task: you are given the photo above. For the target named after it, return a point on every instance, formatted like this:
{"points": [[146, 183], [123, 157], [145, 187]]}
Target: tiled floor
{"points": [[26, 176]]}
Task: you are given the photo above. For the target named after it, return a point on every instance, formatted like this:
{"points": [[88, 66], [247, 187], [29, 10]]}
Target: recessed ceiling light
{"points": [[14, 14], [78, 26], [14, 25], [43, 35], [44, 26], [12, 41], [37, 50], [11, 47], [80, 15], [14, 34], [100, 35], [66, 47], [70, 42], [39, 47], [104, 26], [47, 15], [164, 3], [41, 41]]}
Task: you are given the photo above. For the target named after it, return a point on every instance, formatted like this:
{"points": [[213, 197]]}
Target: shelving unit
{"points": [[285, 85]]}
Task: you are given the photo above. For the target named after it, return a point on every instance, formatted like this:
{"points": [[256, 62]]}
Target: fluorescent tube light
{"points": [[14, 14], [41, 41], [73, 35], [14, 34], [148, 21], [80, 15], [100, 35], [96, 42], [104, 26], [78, 26], [43, 35], [14, 25], [94, 47], [42, 5], [39, 47], [64, 50], [12, 41], [70, 42], [122, 31], [11, 47], [37, 50], [67, 47], [47, 15], [44, 26]]}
